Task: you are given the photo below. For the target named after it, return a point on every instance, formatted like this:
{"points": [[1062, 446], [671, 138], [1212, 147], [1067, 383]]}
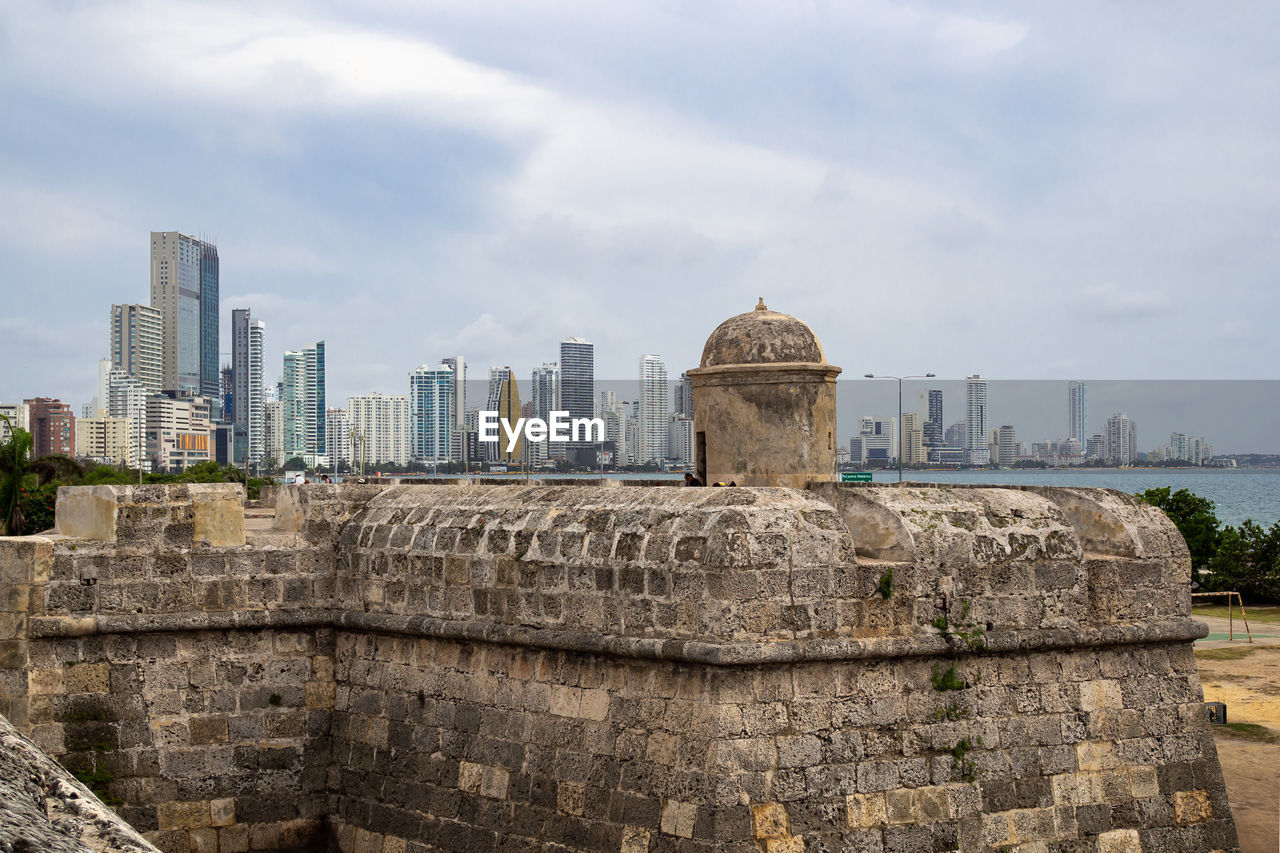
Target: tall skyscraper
{"points": [[509, 411], [577, 379], [458, 365], [1075, 411], [975, 422], [137, 344], [248, 338], [184, 289], [304, 401], [431, 413], [931, 426], [544, 395], [653, 412]]}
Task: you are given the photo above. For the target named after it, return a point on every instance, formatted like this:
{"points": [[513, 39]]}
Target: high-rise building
{"points": [[544, 397], [975, 422], [682, 401], [1075, 410], [493, 396], [653, 412], [379, 429], [680, 439], [930, 407], [184, 288], [273, 433], [304, 401], [1007, 442], [912, 439], [248, 338], [1120, 440], [337, 430], [137, 344], [431, 414], [127, 398], [577, 381], [509, 411], [52, 426], [458, 365]]}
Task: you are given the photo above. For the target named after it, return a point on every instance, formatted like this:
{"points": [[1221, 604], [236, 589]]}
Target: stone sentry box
{"points": [[503, 667]]}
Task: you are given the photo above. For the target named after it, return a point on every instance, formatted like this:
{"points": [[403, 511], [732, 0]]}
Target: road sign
{"points": [[855, 476]]}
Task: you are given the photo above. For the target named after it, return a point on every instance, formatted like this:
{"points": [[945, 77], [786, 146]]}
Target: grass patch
{"points": [[1249, 731], [1225, 654], [1260, 614]]}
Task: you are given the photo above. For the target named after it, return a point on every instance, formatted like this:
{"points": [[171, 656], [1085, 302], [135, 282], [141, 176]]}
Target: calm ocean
{"points": [[1237, 493]]}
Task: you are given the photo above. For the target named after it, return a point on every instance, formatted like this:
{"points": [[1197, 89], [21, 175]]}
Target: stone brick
{"points": [[678, 818], [866, 810], [87, 678], [634, 840], [223, 811], [208, 729], [1191, 807], [770, 821], [180, 815], [203, 840], [1119, 841], [233, 839], [570, 797]]}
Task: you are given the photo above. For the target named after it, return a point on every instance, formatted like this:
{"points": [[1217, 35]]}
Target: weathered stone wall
{"points": [[470, 667], [187, 675]]}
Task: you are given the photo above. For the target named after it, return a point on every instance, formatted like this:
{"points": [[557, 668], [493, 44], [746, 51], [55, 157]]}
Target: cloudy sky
{"points": [[1022, 190]]}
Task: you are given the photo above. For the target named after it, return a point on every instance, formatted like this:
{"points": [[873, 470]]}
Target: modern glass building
{"points": [[431, 413], [304, 401], [184, 289], [577, 380]]}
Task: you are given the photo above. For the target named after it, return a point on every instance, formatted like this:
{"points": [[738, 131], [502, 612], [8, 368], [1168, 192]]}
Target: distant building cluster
{"points": [[922, 439]]}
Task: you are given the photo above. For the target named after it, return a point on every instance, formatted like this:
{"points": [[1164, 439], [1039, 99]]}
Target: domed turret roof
{"points": [[762, 337]]}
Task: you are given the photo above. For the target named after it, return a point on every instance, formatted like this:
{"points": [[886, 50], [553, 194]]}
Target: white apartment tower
{"points": [[248, 340], [975, 422], [379, 429], [337, 431], [652, 410], [1075, 411]]}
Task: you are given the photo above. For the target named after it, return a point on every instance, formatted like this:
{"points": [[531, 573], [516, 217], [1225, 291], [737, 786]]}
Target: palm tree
{"points": [[14, 466]]}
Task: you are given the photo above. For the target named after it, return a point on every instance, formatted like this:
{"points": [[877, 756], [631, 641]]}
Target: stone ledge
{"points": [[683, 650]]}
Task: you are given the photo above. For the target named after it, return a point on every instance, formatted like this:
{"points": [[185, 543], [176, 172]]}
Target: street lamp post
{"points": [[901, 431]]}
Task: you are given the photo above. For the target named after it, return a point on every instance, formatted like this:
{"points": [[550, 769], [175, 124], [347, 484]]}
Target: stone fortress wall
{"points": [[458, 667]]}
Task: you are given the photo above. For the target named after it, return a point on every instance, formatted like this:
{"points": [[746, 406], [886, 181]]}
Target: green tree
{"points": [[1248, 562], [15, 464], [1193, 516], [297, 463]]}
